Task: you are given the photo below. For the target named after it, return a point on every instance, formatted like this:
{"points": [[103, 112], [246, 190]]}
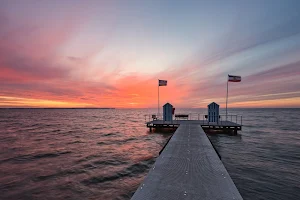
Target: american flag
{"points": [[162, 83]]}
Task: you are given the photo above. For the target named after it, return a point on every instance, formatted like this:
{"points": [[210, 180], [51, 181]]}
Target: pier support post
{"points": [[235, 131]]}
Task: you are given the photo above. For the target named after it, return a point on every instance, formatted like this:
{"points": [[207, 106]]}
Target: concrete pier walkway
{"points": [[187, 168]]}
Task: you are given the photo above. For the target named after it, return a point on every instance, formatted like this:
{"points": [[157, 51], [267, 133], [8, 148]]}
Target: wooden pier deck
{"points": [[188, 168], [221, 125]]}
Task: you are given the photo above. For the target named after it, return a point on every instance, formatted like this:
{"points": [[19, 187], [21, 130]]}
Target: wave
{"points": [[131, 171], [30, 157], [60, 174]]}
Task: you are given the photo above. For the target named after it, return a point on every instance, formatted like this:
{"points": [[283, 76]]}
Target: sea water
{"points": [[106, 153]]}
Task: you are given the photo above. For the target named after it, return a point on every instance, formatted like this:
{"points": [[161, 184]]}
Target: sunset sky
{"points": [[93, 53]]}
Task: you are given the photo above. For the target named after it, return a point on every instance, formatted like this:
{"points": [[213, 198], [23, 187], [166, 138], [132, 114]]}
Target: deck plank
{"points": [[188, 168]]}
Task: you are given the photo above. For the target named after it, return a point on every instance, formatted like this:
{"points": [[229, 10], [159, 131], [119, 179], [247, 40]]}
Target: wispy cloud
{"points": [[38, 68]]}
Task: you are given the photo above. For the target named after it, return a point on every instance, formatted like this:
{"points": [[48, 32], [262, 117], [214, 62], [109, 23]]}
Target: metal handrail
{"points": [[200, 116]]}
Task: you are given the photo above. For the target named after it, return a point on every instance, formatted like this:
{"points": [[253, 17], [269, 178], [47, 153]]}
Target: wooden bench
{"points": [[181, 116]]}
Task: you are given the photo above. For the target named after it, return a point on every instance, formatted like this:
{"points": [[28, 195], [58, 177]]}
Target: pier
{"points": [[224, 126], [188, 167]]}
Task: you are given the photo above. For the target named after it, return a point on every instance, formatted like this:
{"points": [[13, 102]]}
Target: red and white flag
{"points": [[232, 78], [162, 83]]}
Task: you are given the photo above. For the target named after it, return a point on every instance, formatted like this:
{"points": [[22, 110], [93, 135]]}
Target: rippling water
{"points": [[105, 154]]}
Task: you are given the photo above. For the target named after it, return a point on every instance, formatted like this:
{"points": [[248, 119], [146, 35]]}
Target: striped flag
{"points": [[162, 83], [232, 78]]}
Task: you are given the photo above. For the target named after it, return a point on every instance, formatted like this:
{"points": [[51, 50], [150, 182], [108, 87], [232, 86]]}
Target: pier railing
{"points": [[238, 119]]}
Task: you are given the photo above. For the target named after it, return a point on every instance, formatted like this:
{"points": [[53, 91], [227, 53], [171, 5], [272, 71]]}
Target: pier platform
{"points": [[187, 168], [225, 126]]}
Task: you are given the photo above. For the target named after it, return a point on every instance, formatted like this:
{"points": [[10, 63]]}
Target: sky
{"points": [[95, 53]]}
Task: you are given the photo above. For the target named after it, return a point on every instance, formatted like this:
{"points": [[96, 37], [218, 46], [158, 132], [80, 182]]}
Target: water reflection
{"points": [[105, 154]]}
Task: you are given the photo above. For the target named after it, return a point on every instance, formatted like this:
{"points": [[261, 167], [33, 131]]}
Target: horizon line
{"points": [[142, 108]]}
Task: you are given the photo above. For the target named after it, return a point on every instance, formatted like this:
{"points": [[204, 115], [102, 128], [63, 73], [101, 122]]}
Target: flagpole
{"points": [[227, 97], [158, 100]]}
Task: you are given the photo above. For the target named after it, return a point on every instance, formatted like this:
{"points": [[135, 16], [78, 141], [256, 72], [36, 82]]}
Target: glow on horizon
{"points": [[110, 54], [12, 102]]}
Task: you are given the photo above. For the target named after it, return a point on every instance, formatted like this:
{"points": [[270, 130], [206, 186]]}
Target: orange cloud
{"points": [[275, 103], [38, 103]]}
